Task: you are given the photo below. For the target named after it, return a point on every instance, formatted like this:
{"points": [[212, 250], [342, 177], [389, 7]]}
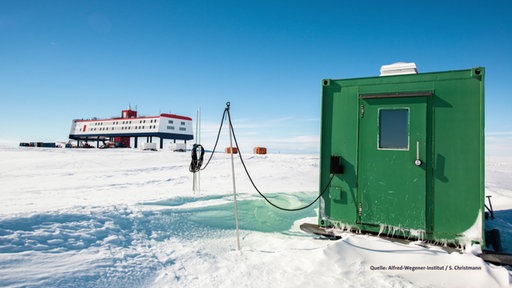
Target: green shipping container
{"points": [[406, 155]]}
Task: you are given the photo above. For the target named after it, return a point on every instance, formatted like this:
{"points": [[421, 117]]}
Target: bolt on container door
{"points": [[392, 154]]}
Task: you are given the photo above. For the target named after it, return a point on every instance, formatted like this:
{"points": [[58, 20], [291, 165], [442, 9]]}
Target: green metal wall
{"points": [[452, 154]]}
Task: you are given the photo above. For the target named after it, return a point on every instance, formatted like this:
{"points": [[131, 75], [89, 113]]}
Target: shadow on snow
{"points": [[59, 231]]}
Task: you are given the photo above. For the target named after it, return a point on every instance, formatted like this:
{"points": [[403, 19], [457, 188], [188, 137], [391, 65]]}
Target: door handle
{"points": [[418, 161]]}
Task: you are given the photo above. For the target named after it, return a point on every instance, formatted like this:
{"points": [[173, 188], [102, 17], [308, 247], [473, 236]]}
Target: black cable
{"points": [[217, 140], [254, 185], [195, 164]]}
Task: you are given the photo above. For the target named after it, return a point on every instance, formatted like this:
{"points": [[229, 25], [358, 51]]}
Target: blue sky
{"points": [[61, 60]]}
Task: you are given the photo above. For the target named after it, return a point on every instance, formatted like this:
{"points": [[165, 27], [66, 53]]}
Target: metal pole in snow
{"points": [[233, 173], [194, 179], [196, 185], [199, 141]]}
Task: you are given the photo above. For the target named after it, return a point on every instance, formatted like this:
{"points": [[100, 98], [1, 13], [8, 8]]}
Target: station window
{"points": [[182, 123], [170, 127], [171, 122], [394, 129], [183, 129]]}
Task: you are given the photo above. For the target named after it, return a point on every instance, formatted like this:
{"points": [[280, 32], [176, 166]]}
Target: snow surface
{"points": [[129, 218]]}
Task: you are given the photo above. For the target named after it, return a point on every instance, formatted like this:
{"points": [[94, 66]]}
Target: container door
{"points": [[392, 154]]}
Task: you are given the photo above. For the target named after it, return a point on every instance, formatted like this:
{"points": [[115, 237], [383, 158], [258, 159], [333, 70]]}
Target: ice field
{"points": [[129, 218]]}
